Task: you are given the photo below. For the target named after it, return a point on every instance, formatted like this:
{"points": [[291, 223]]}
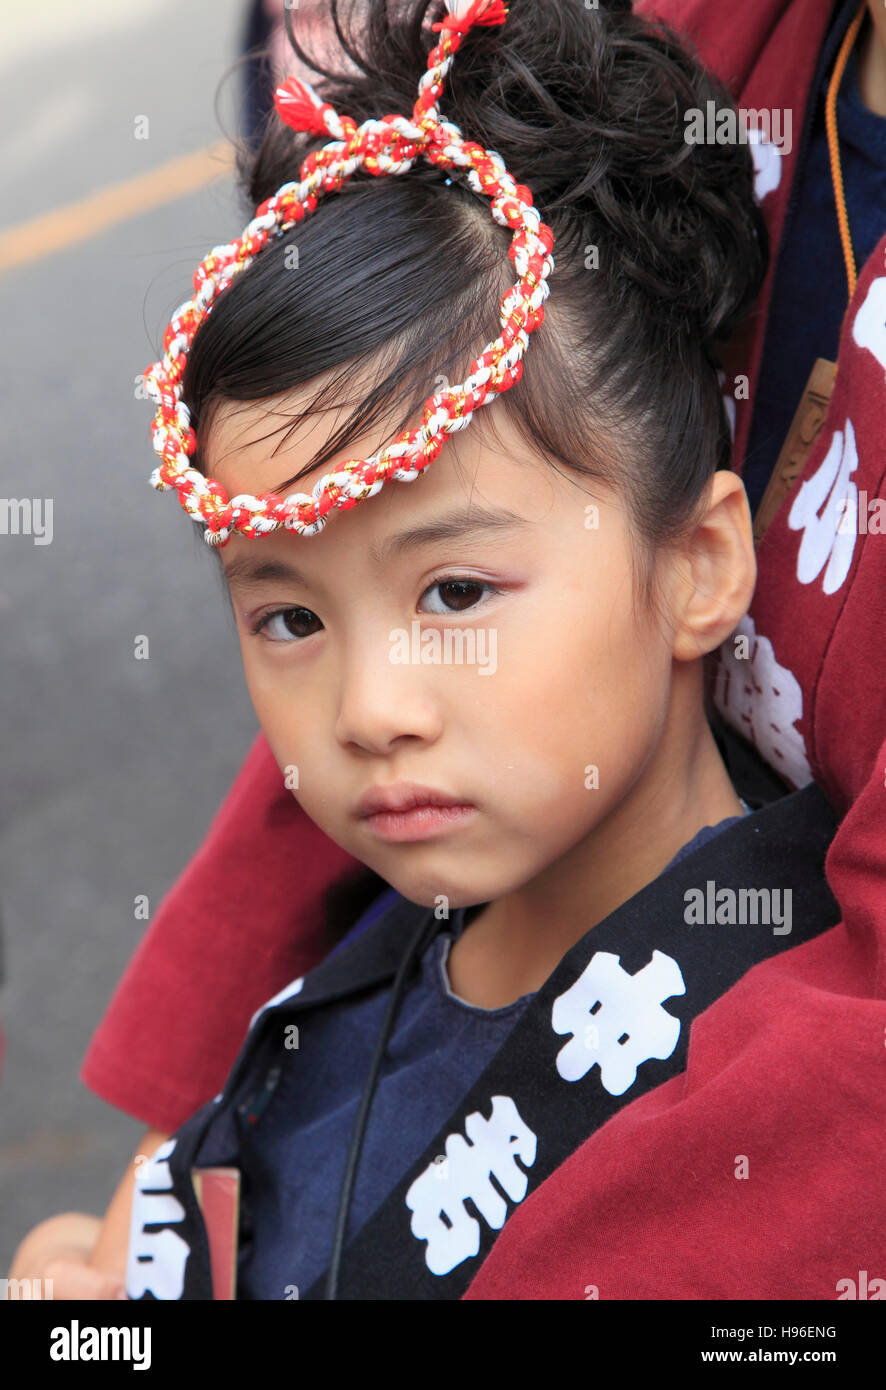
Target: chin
{"points": [[456, 893], [425, 897]]}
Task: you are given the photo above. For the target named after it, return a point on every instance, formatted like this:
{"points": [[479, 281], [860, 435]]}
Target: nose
{"points": [[381, 701]]}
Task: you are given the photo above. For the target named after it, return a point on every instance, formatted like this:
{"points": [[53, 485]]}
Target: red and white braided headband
{"points": [[386, 146]]}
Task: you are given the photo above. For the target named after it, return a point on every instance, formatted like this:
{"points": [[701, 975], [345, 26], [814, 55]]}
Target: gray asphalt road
{"points": [[111, 766]]}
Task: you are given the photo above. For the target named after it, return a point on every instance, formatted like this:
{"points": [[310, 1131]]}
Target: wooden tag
{"points": [[808, 420]]}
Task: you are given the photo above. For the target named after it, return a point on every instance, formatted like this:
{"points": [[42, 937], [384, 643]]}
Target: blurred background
{"points": [[117, 181]]}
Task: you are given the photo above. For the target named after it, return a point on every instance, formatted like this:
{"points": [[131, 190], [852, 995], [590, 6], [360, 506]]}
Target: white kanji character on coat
{"points": [[825, 510], [869, 327], [157, 1259], [630, 1024], [762, 700], [767, 163], [436, 1198]]}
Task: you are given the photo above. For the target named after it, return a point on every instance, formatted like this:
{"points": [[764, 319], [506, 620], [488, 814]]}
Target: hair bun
{"points": [[587, 108]]}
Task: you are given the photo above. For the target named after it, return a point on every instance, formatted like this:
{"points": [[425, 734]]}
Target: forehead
{"points": [[258, 446]]}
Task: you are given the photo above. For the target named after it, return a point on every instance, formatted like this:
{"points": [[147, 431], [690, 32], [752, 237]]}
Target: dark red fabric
{"points": [[788, 1069]]}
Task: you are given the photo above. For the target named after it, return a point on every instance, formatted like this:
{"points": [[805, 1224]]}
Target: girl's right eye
{"points": [[287, 624]]}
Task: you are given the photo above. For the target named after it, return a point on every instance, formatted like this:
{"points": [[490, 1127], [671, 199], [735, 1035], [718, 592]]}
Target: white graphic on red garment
{"points": [[869, 328], [767, 163], [763, 700], [629, 1024], [826, 511], [436, 1198], [157, 1259]]}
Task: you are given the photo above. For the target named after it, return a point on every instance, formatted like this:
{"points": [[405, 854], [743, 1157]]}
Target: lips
{"points": [[404, 796]]}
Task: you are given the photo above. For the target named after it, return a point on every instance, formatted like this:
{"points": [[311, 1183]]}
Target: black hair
{"points": [[659, 250]]}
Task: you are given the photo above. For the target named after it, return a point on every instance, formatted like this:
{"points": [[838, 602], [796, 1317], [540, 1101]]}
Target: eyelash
{"points": [[266, 618]]}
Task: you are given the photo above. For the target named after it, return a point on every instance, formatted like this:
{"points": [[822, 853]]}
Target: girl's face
{"points": [[473, 632]]}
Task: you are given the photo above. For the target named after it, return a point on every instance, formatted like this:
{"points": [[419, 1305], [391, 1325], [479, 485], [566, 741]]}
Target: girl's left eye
{"points": [[458, 595]]}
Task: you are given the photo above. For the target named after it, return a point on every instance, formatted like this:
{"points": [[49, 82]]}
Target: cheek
{"points": [[579, 698], [281, 704]]}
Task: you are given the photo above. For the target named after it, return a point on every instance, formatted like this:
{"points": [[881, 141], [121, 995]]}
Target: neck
{"points": [[512, 945], [872, 59]]}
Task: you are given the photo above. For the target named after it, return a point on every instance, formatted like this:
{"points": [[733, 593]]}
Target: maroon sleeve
{"points": [[261, 902]]}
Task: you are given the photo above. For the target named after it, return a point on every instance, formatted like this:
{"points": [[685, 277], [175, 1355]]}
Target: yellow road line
{"points": [[64, 226]]}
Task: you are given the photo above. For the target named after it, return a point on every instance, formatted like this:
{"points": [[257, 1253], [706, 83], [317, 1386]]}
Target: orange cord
{"points": [[834, 146]]}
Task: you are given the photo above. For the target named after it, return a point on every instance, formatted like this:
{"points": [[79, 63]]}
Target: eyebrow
{"points": [[248, 570]]}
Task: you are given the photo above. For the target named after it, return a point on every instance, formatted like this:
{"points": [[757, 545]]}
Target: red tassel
{"points": [[480, 12], [296, 107], [493, 12]]}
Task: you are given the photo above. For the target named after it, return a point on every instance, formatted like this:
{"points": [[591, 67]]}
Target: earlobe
{"points": [[719, 570]]}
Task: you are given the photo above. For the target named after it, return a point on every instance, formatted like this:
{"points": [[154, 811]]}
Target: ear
{"points": [[717, 570]]}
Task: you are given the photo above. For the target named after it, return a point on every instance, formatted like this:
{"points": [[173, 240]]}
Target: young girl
{"points": [[486, 687]]}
